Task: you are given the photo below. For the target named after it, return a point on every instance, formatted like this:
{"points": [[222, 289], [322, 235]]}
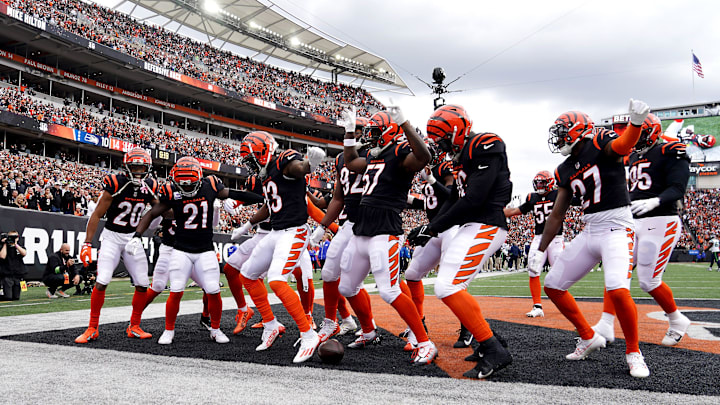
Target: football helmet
{"points": [[187, 176], [381, 131], [437, 155], [706, 141], [256, 150], [650, 131], [449, 127], [137, 165], [569, 128], [543, 182]]}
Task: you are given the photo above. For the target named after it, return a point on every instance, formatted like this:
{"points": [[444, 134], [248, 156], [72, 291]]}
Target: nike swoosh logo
{"points": [[615, 229], [488, 146], [650, 229], [468, 341], [481, 167]]}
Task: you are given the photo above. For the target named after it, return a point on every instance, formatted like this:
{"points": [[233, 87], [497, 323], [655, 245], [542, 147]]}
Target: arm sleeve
{"points": [[245, 196], [441, 189], [526, 207], [417, 204], [624, 144], [677, 179]]}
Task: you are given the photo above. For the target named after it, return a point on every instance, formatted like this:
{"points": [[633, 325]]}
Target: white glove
{"points": [[348, 117], [426, 175], [317, 235], [231, 206], [536, 260], [315, 156], [638, 111], [642, 207], [135, 246], [238, 232], [396, 114]]}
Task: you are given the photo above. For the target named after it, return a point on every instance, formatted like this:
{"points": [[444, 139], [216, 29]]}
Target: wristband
{"points": [[350, 142], [137, 235]]}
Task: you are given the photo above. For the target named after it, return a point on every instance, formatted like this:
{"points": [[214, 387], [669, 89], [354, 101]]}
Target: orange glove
{"points": [[86, 254]]}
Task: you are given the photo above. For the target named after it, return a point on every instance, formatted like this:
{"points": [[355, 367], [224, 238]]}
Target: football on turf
{"points": [[331, 351]]}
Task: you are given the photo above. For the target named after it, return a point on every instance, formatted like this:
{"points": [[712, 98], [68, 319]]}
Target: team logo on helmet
{"points": [[381, 131], [543, 182], [137, 165], [569, 128], [449, 126], [187, 176], [256, 151]]}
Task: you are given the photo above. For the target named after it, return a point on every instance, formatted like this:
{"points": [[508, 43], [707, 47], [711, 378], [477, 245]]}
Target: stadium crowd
{"points": [[199, 60]]}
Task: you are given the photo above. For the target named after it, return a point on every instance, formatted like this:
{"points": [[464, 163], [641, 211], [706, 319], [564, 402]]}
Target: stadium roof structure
{"points": [[266, 29]]}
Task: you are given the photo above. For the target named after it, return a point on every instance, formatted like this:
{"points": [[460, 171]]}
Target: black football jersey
{"points": [[385, 188], [254, 185], [352, 187], [598, 179], [433, 199], [285, 195], [193, 215], [540, 206], [663, 171], [129, 202], [168, 231]]}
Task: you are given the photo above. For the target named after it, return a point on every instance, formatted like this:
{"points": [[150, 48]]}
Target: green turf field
{"points": [[687, 280]]}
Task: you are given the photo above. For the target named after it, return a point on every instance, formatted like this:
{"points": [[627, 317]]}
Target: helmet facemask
{"points": [[137, 172]]}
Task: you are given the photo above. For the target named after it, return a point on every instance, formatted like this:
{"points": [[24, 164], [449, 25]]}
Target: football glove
{"points": [[135, 246], [232, 207], [396, 114], [348, 117], [420, 235], [426, 175], [238, 232], [642, 207], [638, 111], [315, 157], [86, 254], [317, 235], [536, 260]]}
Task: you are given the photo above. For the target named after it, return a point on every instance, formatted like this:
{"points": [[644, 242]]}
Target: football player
{"points": [[482, 189], [278, 253], [124, 199], [659, 174], [714, 249], [192, 200], [540, 203], [343, 206], [594, 170], [387, 172]]}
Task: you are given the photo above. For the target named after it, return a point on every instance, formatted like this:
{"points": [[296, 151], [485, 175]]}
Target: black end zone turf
{"points": [[193, 340]]}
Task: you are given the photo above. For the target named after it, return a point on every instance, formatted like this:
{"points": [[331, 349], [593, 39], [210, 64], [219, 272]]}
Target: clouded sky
{"points": [[525, 62]]}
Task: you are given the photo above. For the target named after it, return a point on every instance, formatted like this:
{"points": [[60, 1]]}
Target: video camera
{"points": [[9, 239]]}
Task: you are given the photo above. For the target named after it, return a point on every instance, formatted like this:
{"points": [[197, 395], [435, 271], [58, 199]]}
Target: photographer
{"points": [[60, 273], [12, 268]]}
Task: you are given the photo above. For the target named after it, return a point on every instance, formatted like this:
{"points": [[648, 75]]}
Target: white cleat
{"points": [[269, 335], [536, 312], [218, 336], [585, 347], [167, 337], [636, 362], [329, 329], [308, 344], [347, 325], [605, 330], [426, 353], [676, 331]]}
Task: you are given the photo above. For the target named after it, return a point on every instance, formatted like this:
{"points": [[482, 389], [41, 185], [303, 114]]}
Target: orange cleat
{"points": [[134, 331], [88, 335], [311, 321], [242, 319], [257, 325]]}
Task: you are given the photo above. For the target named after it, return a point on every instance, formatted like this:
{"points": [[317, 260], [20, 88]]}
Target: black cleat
{"points": [[494, 357], [205, 321], [465, 338], [477, 354]]}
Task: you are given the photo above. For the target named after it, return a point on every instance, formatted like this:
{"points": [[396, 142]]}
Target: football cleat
{"points": [[218, 336], [269, 335], [311, 321], [329, 329], [494, 358], [465, 338], [536, 312], [242, 319], [426, 353], [372, 338], [636, 362], [88, 335], [308, 344], [347, 325], [257, 325], [584, 347], [409, 347], [205, 321], [405, 333], [167, 337], [477, 354], [606, 330], [676, 331], [134, 331]]}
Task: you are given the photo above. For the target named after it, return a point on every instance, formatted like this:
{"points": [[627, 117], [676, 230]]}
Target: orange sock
{"points": [[565, 302], [150, 296], [236, 287], [259, 295], [292, 303], [342, 307], [406, 308], [138, 304], [405, 289], [306, 297], [215, 308], [97, 299], [467, 310], [205, 310], [333, 300], [664, 297], [360, 303], [608, 306], [417, 292], [172, 307], [536, 290], [627, 316]]}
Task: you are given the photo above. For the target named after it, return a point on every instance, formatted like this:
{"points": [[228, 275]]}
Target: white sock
{"points": [[308, 334], [272, 324], [243, 309], [348, 319], [608, 318], [677, 315]]}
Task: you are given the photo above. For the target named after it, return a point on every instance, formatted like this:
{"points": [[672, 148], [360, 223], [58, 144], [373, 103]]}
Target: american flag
{"points": [[697, 67]]}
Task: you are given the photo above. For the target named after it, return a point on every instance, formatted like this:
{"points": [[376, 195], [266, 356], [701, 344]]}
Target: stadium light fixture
{"points": [[294, 41], [211, 7]]}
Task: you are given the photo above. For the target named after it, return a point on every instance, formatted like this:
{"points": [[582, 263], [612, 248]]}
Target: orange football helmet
{"points": [[381, 130], [187, 176], [437, 155], [137, 165], [650, 131], [449, 127], [256, 151], [543, 182], [569, 128]]}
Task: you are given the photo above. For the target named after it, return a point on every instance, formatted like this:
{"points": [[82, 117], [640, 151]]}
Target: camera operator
{"points": [[60, 273], [12, 268]]}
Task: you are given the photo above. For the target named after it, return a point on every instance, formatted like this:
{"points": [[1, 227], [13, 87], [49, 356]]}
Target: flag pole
{"points": [[692, 74]]}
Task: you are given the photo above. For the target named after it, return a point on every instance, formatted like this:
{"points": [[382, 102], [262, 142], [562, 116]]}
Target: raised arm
{"points": [[624, 144]]}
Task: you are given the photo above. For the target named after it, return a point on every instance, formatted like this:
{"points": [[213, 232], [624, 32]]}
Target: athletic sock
{"points": [[205, 310], [150, 296], [342, 306], [236, 287], [138, 304], [608, 306], [97, 299], [292, 304], [172, 307], [628, 317], [565, 302], [468, 311], [361, 305], [333, 300], [405, 289], [405, 307], [664, 297], [215, 309], [417, 292], [259, 295], [536, 290]]}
